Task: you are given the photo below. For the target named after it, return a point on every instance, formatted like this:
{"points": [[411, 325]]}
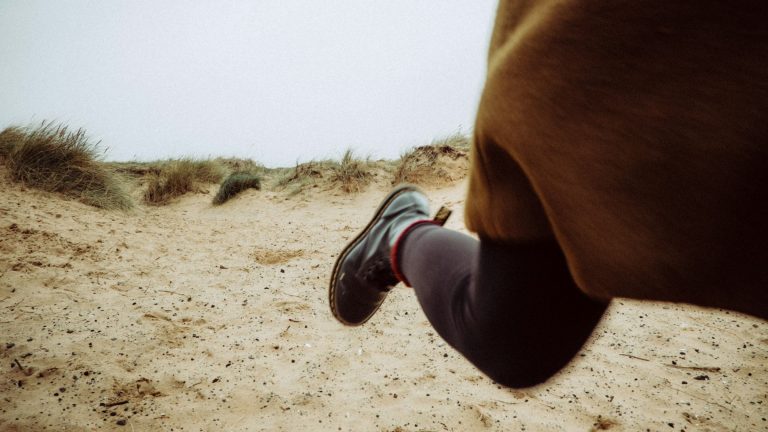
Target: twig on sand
{"points": [[634, 357], [547, 405], [676, 366], [696, 368], [23, 369], [542, 402], [172, 292], [288, 294], [111, 404], [15, 304], [702, 399]]}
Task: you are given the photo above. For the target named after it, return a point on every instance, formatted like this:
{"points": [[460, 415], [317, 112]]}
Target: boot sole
{"points": [[334, 276]]}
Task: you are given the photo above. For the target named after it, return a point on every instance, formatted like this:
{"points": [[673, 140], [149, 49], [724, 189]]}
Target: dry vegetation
{"points": [[52, 158], [350, 173], [178, 177], [244, 165], [296, 179], [9, 138], [236, 183], [443, 161], [136, 170]]}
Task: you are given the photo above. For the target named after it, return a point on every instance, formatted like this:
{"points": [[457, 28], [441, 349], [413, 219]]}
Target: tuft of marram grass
{"points": [[298, 178], [351, 173], [234, 164], [9, 138], [179, 177], [422, 164], [50, 157], [236, 183]]}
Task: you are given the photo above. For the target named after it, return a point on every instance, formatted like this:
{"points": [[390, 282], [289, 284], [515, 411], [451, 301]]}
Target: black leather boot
{"points": [[364, 273]]}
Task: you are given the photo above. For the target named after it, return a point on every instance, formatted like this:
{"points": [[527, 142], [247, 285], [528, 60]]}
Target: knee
{"points": [[522, 354], [517, 367]]}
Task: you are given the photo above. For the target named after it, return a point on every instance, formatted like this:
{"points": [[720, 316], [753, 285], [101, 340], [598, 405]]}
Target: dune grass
{"points": [[136, 170], [350, 173], [423, 164], [178, 177], [234, 164], [9, 137], [53, 158], [234, 184], [300, 177]]}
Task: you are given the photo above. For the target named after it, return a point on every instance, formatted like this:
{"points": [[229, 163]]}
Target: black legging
{"points": [[512, 310]]}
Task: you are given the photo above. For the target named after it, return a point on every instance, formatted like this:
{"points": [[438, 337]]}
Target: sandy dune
{"points": [[192, 317]]}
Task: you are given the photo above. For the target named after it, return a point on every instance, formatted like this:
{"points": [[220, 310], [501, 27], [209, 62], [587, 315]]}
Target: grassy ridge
{"points": [[179, 177], [55, 159], [349, 173], [427, 164]]}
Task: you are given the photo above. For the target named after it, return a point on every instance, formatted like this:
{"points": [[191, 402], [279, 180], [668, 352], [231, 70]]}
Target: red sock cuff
{"points": [[393, 257]]}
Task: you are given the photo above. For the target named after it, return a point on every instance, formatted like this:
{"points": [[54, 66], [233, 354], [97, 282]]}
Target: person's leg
{"points": [[512, 310]]}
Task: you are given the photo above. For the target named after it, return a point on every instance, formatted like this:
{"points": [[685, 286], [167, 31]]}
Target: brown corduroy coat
{"points": [[635, 133]]}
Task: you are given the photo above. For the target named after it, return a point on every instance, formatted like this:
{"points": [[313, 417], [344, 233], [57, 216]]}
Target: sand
{"points": [[199, 318]]}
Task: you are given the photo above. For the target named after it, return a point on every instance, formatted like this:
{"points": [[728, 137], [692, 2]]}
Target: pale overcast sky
{"points": [[279, 81]]}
